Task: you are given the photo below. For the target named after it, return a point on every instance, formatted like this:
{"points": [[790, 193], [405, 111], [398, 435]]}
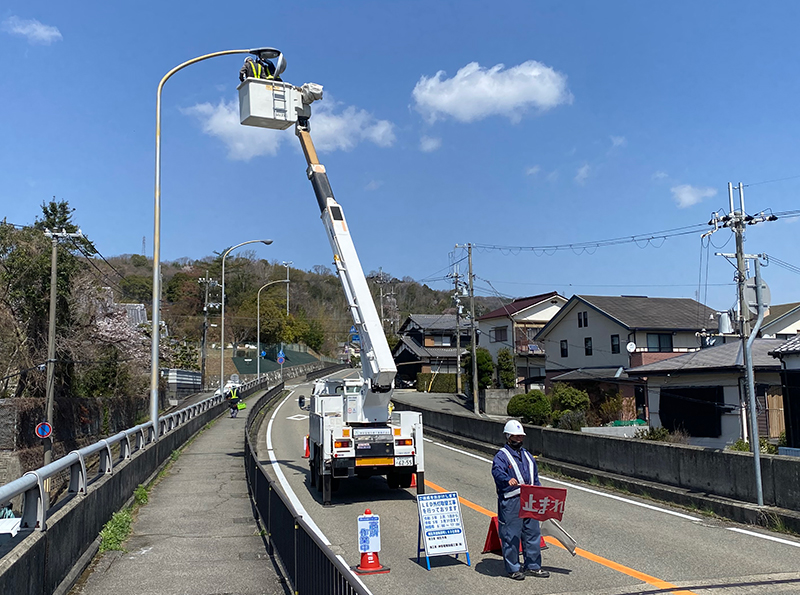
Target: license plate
{"points": [[362, 445], [370, 461], [403, 461]]}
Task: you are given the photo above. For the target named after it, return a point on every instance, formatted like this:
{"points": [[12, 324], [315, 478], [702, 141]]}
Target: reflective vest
{"points": [[259, 69], [233, 394], [517, 472]]}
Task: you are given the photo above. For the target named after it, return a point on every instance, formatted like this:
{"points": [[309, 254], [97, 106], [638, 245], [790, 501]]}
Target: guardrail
{"points": [[308, 563], [31, 486]]}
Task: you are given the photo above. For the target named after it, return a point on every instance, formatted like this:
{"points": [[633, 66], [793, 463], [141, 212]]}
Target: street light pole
{"points": [[222, 332], [258, 324], [154, 346]]}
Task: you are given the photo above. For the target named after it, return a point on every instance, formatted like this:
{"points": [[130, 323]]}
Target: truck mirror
{"points": [[301, 401]]}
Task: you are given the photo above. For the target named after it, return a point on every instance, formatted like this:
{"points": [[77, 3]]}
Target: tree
{"points": [[568, 398], [533, 407], [506, 373], [485, 367], [137, 289]]}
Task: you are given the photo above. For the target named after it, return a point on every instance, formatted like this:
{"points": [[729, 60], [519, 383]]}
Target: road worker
{"points": [[514, 466], [233, 402], [257, 69]]}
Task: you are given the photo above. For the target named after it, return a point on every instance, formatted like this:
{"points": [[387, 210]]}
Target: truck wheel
{"points": [[405, 480], [318, 465], [393, 479], [312, 475], [326, 490]]}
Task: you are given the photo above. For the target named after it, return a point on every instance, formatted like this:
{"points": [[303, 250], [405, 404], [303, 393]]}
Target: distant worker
{"points": [[512, 467], [254, 68], [233, 402]]}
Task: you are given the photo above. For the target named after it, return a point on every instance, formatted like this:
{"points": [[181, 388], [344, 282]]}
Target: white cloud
{"points": [[552, 176], [345, 130], [373, 185], [660, 175], [475, 92], [618, 141], [428, 144], [583, 173], [33, 30], [331, 131], [533, 170], [243, 142], [686, 195]]}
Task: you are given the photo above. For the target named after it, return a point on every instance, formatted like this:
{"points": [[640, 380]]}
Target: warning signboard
{"points": [[441, 527]]}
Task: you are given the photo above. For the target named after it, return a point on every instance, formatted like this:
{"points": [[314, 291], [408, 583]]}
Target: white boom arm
{"points": [[376, 358]]}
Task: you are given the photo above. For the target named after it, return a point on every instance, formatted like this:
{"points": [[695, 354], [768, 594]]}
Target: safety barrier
{"points": [[307, 561], [55, 540]]}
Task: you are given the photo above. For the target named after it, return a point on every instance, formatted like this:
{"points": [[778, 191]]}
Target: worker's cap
{"points": [[513, 428], [249, 59]]}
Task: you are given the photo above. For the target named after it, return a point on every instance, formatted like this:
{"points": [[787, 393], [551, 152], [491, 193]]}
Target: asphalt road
{"points": [[626, 545]]}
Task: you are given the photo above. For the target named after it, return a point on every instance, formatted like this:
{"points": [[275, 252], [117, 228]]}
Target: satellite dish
{"points": [[630, 347]]}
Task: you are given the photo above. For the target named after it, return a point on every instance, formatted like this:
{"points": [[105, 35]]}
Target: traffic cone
{"points": [[305, 445], [370, 564], [493, 539], [413, 480]]}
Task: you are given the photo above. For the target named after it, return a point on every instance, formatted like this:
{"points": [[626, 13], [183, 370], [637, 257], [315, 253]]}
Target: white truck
{"points": [[352, 432]]}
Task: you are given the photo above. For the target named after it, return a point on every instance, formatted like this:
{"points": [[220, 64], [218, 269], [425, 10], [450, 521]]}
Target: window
{"points": [[659, 342], [580, 319], [501, 334], [583, 319], [441, 340], [564, 349], [522, 372], [587, 345], [614, 343]]}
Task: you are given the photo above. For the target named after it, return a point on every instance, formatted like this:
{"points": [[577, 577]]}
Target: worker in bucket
{"points": [[512, 467], [255, 68]]}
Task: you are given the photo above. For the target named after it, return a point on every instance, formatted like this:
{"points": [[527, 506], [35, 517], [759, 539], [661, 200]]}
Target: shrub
{"points": [[610, 409], [572, 420], [443, 383], [659, 434], [782, 439], [766, 447], [485, 367], [532, 407], [566, 397], [506, 373]]}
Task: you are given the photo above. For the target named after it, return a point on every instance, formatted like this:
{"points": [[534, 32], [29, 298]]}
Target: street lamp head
{"points": [[271, 54], [266, 242]]}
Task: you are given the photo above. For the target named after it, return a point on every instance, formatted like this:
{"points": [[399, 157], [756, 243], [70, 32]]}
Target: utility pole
{"points": [[736, 220], [287, 265], [208, 282], [474, 338], [51, 336], [380, 287], [458, 330]]}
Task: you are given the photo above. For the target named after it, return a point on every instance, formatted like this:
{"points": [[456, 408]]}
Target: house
{"points": [[789, 355], [593, 339], [514, 327], [704, 392], [428, 344], [782, 321]]}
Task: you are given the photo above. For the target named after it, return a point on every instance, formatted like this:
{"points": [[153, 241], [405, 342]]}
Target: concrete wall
{"points": [[494, 401], [722, 473]]}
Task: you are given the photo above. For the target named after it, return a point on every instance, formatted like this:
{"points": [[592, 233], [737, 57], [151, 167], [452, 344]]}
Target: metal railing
{"points": [[307, 561], [32, 485]]}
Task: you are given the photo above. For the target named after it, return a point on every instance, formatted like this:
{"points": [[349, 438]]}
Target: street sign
{"points": [[43, 430], [281, 353], [356, 339], [263, 354], [281, 359], [353, 329]]}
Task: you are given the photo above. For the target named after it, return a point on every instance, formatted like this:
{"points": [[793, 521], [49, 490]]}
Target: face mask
{"points": [[515, 444]]}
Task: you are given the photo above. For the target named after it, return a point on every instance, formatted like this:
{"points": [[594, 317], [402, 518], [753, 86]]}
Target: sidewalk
{"points": [[197, 534]]}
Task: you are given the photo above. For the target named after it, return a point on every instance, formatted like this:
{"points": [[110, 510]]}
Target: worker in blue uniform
{"points": [[512, 467]]}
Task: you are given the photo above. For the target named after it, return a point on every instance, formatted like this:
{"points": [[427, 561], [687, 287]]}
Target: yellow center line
{"points": [[645, 578]]}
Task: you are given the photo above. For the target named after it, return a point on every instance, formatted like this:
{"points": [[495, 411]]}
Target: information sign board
{"points": [[369, 533], [441, 527]]}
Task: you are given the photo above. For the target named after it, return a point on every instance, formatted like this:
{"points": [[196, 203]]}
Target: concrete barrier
{"points": [[727, 474]]}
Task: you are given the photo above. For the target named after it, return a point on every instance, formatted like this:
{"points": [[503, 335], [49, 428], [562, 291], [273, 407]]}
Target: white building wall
{"points": [[787, 328]]}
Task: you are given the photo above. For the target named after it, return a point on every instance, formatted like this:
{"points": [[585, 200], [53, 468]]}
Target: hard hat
{"points": [[513, 428], [249, 59]]}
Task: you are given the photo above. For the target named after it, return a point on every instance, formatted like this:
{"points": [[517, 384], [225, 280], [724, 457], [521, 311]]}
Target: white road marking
{"points": [[297, 417], [299, 508], [579, 488], [762, 536]]}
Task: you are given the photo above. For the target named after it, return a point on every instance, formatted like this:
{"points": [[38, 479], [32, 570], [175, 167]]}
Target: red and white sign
{"points": [[540, 503]]}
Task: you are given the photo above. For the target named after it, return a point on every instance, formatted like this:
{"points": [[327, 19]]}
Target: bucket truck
{"points": [[352, 432]]}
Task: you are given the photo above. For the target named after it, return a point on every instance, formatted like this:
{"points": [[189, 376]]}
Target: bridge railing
{"points": [[307, 561]]}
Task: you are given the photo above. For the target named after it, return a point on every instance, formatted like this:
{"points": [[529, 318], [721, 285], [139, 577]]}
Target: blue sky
{"points": [[513, 123]]}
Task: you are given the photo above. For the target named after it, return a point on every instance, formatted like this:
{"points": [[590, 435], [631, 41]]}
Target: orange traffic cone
{"points": [[493, 539], [370, 564], [305, 445], [413, 480]]}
